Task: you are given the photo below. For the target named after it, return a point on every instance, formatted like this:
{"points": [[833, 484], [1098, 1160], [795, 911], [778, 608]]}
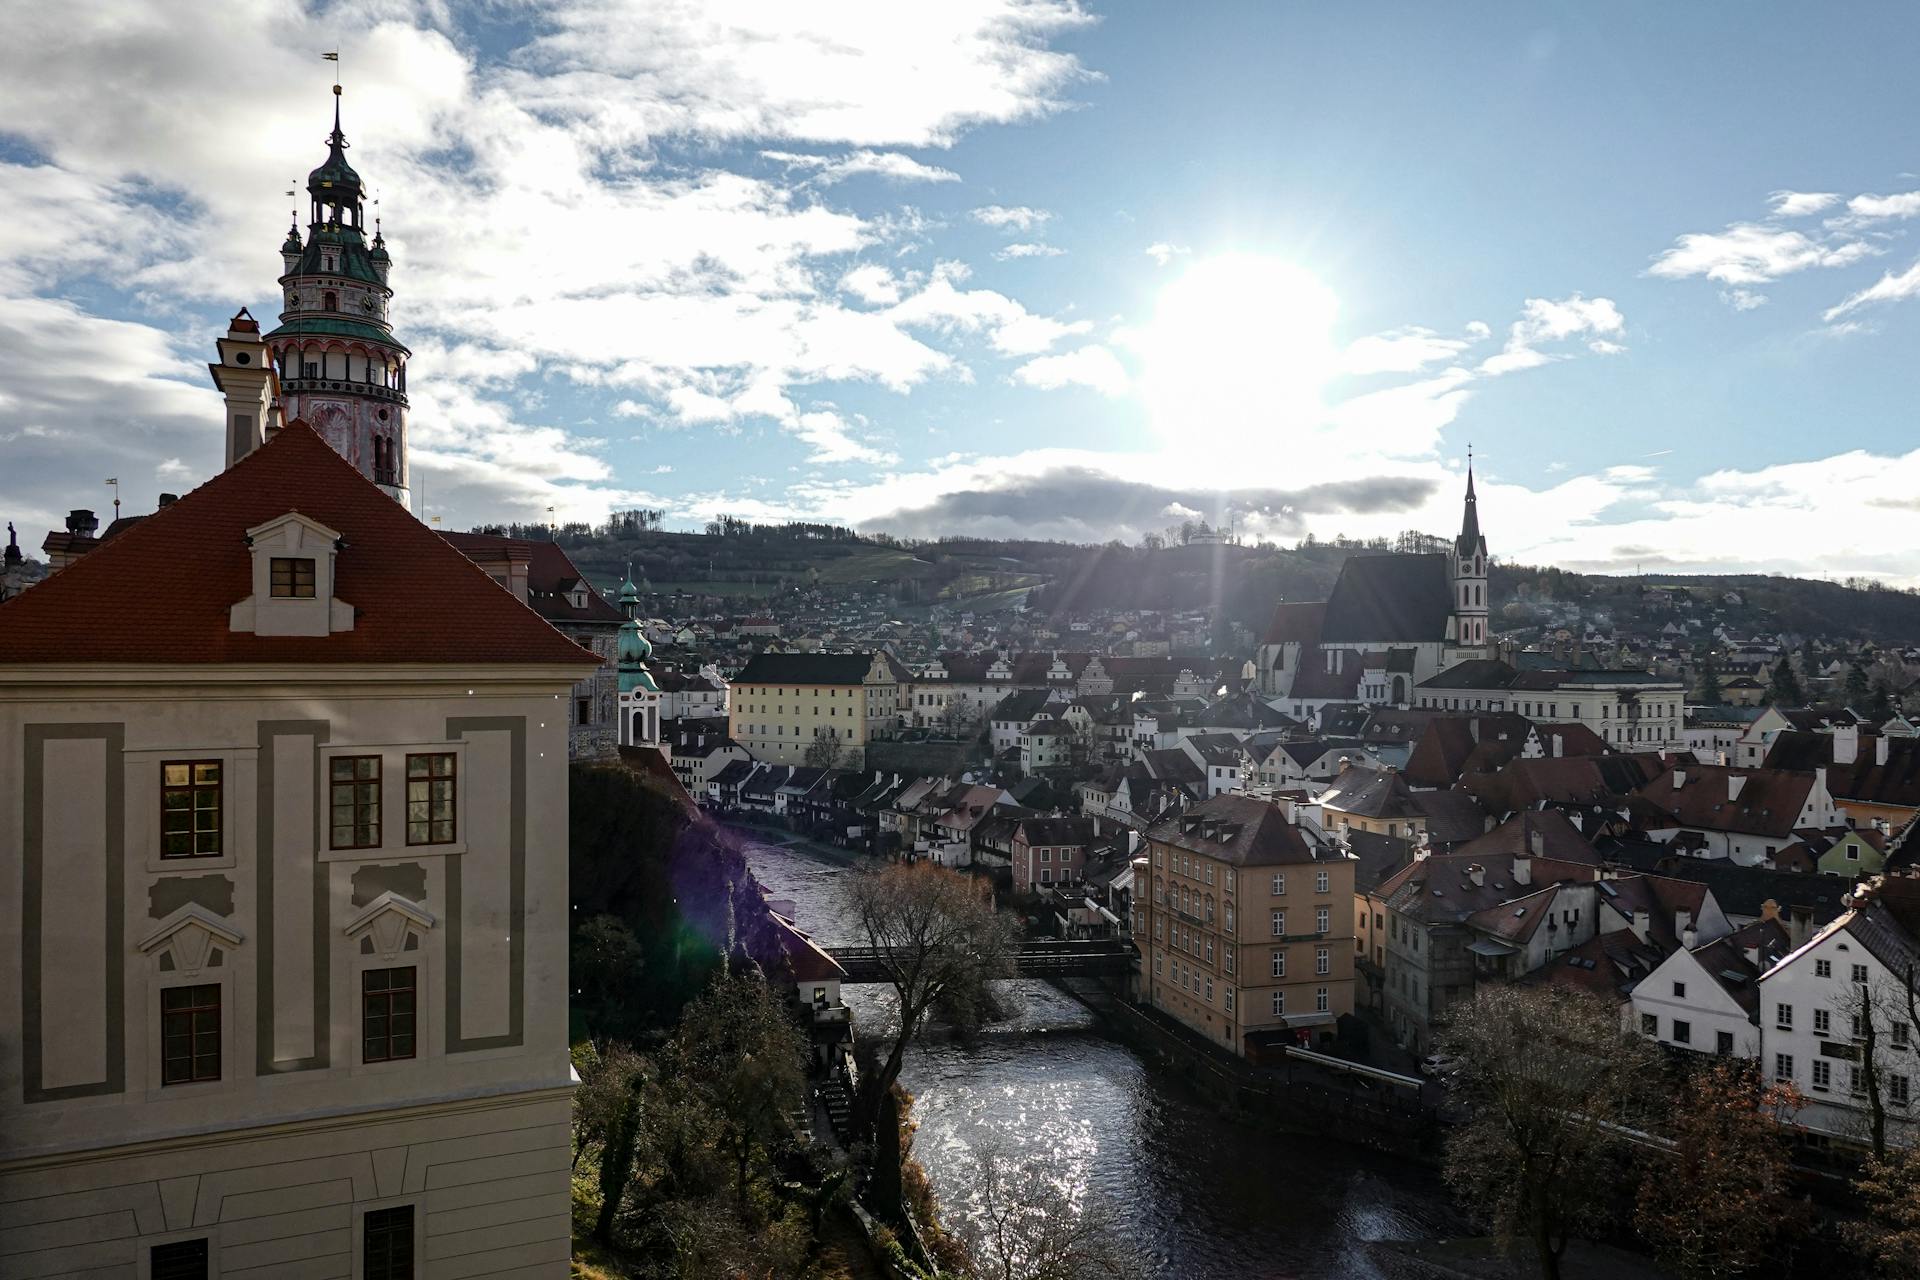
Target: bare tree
{"points": [[742, 1054], [1881, 1016], [939, 938], [1722, 1201], [1021, 1230], [1552, 1085], [823, 753]]}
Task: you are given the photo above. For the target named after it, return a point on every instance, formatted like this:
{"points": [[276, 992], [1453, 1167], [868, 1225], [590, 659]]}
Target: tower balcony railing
{"points": [[388, 476], [295, 386]]}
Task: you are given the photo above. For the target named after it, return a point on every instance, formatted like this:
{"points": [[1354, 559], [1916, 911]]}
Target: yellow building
{"points": [[1376, 801], [783, 703], [1245, 923]]}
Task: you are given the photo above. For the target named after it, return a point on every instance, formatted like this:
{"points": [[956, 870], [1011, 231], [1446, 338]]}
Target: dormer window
{"points": [[292, 578]]}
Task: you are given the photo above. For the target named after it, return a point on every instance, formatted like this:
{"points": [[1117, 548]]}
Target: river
{"points": [[1198, 1194]]}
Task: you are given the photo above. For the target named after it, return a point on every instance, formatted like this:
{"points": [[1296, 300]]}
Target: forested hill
{"points": [[737, 559]]}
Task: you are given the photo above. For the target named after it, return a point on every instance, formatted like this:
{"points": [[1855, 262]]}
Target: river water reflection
{"points": [[1198, 1194]]}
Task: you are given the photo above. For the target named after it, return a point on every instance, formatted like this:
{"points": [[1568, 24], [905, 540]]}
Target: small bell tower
{"points": [[245, 377]]}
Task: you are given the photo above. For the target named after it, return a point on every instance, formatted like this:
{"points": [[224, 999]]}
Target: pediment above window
{"points": [[191, 939], [390, 925]]}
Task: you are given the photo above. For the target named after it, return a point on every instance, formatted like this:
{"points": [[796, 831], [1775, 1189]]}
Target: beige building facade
{"points": [[1245, 923], [288, 964], [782, 703]]}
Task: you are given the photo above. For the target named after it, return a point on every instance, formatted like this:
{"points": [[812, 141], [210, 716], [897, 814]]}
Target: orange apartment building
{"points": [[1244, 916]]}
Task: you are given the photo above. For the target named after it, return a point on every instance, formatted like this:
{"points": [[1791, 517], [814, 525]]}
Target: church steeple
{"points": [[1467, 573], [339, 368]]}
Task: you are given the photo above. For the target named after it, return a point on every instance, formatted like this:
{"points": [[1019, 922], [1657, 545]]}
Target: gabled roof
{"points": [[1054, 831], [161, 592], [1296, 623], [1570, 780], [806, 668], [1453, 817], [1769, 802], [1725, 960], [1241, 830], [551, 576], [1545, 833], [1389, 599], [1369, 793], [1454, 745]]}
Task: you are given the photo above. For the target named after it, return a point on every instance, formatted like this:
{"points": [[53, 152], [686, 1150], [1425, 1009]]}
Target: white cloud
{"points": [[1009, 327], [1162, 252], [1743, 299], [1798, 204], [871, 282], [828, 435], [1407, 350], [1748, 253], [1888, 288], [1869, 208], [1014, 218], [1545, 320], [891, 165], [1025, 249], [1090, 366]]}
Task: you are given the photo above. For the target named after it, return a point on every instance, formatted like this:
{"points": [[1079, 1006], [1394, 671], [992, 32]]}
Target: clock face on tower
{"points": [[367, 304], [293, 299]]}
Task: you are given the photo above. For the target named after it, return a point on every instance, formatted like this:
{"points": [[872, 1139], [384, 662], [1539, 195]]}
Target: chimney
{"points": [[1683, 924], [1559, 746], [82, 522], [1689, 938], [1846, 743], [1522, 869], [1752, 953], [1477, 874], [1736, 782], [1536, 842], [1880, 749], [1473, 729], [1293, 813], [1642, 922], [167, 500], [1679, 779]]}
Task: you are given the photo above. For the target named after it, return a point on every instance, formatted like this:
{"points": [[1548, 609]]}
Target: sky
{"points": [[1028, 268]]}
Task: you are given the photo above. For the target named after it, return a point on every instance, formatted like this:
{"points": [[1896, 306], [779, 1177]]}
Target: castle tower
{"points": [[639, 695], [1467, 573], [336, 363]]}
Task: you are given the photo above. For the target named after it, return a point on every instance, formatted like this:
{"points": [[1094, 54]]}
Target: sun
{"points": [[1240, 347]]}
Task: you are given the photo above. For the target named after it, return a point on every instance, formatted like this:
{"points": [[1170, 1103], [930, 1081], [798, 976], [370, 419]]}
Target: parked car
{"points": [[1440, 1065]]}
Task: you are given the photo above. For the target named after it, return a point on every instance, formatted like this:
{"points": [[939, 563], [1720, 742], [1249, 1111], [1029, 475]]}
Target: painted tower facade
{"points": [[639, 695], [335, 362], [1467, 574]]}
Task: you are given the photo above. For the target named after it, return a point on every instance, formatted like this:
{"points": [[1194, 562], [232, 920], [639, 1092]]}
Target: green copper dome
{"points": [[335, 181], [292, 244], [632, 649]]}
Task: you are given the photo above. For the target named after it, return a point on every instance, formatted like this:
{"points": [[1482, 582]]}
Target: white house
{"points": [[283, 954], [1707, 998], [1822, 1004]]}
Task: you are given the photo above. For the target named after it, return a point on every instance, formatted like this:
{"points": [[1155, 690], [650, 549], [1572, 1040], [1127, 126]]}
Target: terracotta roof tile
{"points": [[161, 591]]}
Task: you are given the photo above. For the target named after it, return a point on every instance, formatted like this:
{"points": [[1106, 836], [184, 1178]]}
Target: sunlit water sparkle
{"points": [[1198, 1193]]}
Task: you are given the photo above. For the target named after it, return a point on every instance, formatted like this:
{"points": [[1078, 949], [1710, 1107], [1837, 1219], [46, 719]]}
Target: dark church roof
{"points": [[1391, 599]]}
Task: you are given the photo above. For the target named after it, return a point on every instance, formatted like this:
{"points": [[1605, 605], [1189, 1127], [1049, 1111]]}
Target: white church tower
{"points": [[333, 362], [639, 695], [1467, 574]]}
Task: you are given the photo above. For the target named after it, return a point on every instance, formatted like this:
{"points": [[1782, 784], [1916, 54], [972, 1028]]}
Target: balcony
{"points": [[309, 386]]}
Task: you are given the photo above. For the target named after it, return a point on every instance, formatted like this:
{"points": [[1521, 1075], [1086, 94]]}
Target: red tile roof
{"points": [[551, 575], [161, 591]]}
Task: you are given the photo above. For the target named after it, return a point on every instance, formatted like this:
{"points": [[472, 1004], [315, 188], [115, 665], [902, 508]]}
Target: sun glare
{"points": [[1241, 344]]}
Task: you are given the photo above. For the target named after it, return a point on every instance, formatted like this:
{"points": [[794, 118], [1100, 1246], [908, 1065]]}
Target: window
{"points": [[1650, 1025], [1322, 917], [1279, 885], [1856, 1081], [1823, 968], [1321, 882], [1279, 964], [431, 799], [1822, 1074], [1229, 917], [1279, 1004], [1822, 1022], [290, 578], [1723, 1043], [1682, 1032], [1323, 960], [1783, 1067], [179, 1260], [1901, 1032], [1783, 1017], [1209, 990], [1860, 975], [1230, 1003], [1226, 953], [190, 1034], [1046, 855], [354, 794], [1279, 924], [1897, 1091], [1859, 1028], [583, 711], [1679, 991], [386, 1250], [387, 1014], [1320, 1000], [1229, 879], [190, 809]]}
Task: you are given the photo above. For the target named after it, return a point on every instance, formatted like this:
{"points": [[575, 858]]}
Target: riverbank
{"points": [[1197, 1190]]}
